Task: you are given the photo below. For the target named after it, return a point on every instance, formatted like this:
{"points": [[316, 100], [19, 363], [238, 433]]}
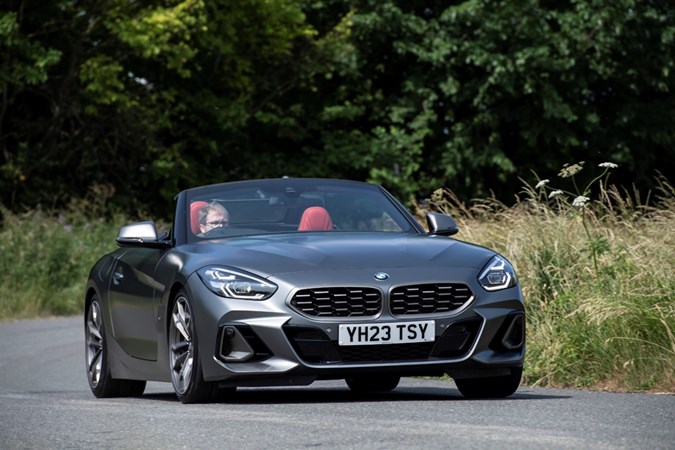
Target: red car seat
{"points": [[194, 216], [315, 218]]}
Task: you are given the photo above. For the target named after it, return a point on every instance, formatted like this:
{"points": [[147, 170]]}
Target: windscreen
{"points": [[282, 206]]}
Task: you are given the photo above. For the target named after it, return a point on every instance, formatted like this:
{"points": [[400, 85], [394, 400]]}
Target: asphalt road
{"points": [[45, 402]]}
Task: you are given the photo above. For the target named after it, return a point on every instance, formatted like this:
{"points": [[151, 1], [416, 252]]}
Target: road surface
{"points": [[45, 402]]}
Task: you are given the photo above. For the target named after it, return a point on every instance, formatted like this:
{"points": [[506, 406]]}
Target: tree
{"points": [[146, 97], [472, 95], [151, 97]]}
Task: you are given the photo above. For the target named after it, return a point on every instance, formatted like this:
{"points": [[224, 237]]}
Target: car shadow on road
{"points": [[337, 395]]}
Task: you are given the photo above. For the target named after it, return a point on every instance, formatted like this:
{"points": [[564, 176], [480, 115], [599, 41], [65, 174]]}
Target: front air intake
{"points": [[239, 343], [511, 334]]}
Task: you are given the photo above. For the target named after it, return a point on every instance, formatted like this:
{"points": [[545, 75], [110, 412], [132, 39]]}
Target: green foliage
{"points": [[45, 260], [25, 61], [161, 33], [472, 95], [146, 96]]}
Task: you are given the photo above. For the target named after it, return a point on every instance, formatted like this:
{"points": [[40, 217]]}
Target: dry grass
{"points": [[598, 281]]}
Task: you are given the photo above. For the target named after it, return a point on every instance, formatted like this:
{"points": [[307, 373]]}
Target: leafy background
{"points": [[151, 97]]}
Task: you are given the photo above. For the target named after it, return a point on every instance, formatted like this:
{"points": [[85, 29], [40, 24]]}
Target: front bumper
{"points": [[268, 343]]}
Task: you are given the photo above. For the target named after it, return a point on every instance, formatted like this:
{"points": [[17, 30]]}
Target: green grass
{"points": [[598, 279], [45, 261]]}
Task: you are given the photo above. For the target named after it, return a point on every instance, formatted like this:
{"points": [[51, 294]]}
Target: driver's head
{"points": [[213, 215]]}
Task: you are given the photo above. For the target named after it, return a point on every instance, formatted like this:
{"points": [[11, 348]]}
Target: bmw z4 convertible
{"points": [[283, 282]]}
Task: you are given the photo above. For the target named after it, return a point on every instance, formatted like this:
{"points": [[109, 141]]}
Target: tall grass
{"points": [[45, 257], [597, 268], [45, 261]]}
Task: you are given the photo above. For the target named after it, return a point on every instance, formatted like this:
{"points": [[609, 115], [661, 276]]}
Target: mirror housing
{"points": [[140, 234], [441, 224]]}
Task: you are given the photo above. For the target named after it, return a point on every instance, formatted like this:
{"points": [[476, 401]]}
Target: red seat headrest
{"points": [[194, 216], [315, 218]]}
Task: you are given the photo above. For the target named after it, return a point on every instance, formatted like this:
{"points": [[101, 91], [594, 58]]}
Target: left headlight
{"points": [[498, 274], [235, 284]]}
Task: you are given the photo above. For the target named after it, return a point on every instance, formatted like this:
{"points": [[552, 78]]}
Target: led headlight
{"points": [[234, 284], [498, 274]]}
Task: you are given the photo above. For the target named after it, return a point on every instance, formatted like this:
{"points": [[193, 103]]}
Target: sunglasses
{"points": [[218, 223]]}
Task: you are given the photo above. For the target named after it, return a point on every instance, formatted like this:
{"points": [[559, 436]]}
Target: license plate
{"points": [[387, 333]]}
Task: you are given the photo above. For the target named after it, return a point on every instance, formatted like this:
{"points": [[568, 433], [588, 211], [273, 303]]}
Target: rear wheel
{"points": [[102, 384], [186, 368], [491, 387], [365, 384]]}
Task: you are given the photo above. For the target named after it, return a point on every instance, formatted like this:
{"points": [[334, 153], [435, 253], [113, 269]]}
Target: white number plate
{"points": [[387, 333]]}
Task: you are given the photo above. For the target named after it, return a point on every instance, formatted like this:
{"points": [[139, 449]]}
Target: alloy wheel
{"points": [[94, 344], [181, 342]]}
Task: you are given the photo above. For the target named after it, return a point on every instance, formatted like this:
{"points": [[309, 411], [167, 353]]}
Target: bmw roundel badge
{"points": [[380, 276]]}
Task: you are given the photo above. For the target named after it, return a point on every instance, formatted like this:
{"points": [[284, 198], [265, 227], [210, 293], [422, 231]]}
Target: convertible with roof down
{"points": [[287, 281]]}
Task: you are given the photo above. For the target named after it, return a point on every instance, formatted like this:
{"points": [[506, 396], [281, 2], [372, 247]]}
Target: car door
{"points": [[133, 287]]}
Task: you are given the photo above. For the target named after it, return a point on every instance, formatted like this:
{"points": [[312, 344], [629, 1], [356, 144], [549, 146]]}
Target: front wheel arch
{"points": [[184, 357]]}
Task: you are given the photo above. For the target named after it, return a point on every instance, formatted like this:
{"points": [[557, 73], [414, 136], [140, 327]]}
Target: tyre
{"points": [[186, 368], [490, 387], [102, 384], [365, 384]]}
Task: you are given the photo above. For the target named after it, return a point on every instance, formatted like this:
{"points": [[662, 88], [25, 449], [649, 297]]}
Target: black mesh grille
{"points": [[386, 353], [338, 302], [429, 298]]}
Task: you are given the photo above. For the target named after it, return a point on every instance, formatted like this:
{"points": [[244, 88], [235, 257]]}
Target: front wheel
{"points": [[186, 368], [101, 382], [491, 387]]}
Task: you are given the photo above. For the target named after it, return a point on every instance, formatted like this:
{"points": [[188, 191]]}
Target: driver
{"points": [[212, 216]]}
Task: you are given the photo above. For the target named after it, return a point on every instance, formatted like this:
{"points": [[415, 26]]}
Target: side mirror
{"points": [[140, 234], [441, 224]]}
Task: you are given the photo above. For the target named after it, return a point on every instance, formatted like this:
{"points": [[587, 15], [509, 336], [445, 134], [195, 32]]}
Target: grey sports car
{"points": [[287, 281]]}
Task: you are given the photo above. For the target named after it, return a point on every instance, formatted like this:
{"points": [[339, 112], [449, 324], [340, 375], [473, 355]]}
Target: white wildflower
{"points": [[568, 171], [580, 201], [555, 193], [541, 184], [608, 165]]}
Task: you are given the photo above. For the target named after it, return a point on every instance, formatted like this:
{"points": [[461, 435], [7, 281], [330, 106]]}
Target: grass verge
{"points": [[597, 271]]}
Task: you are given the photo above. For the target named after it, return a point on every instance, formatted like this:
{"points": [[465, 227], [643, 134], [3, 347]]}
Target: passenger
{"points": [[212, 216]]}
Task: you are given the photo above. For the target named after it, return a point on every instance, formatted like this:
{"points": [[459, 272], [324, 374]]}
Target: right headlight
{"points": [[231, 283], [498, 274]]}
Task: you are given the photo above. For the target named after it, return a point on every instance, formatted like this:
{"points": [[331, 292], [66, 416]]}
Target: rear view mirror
{"points": [[441, 224], [141, 234]]}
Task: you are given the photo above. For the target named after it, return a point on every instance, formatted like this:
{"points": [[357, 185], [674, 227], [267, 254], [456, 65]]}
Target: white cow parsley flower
{"points": [[542, 183], [580, 201]]}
